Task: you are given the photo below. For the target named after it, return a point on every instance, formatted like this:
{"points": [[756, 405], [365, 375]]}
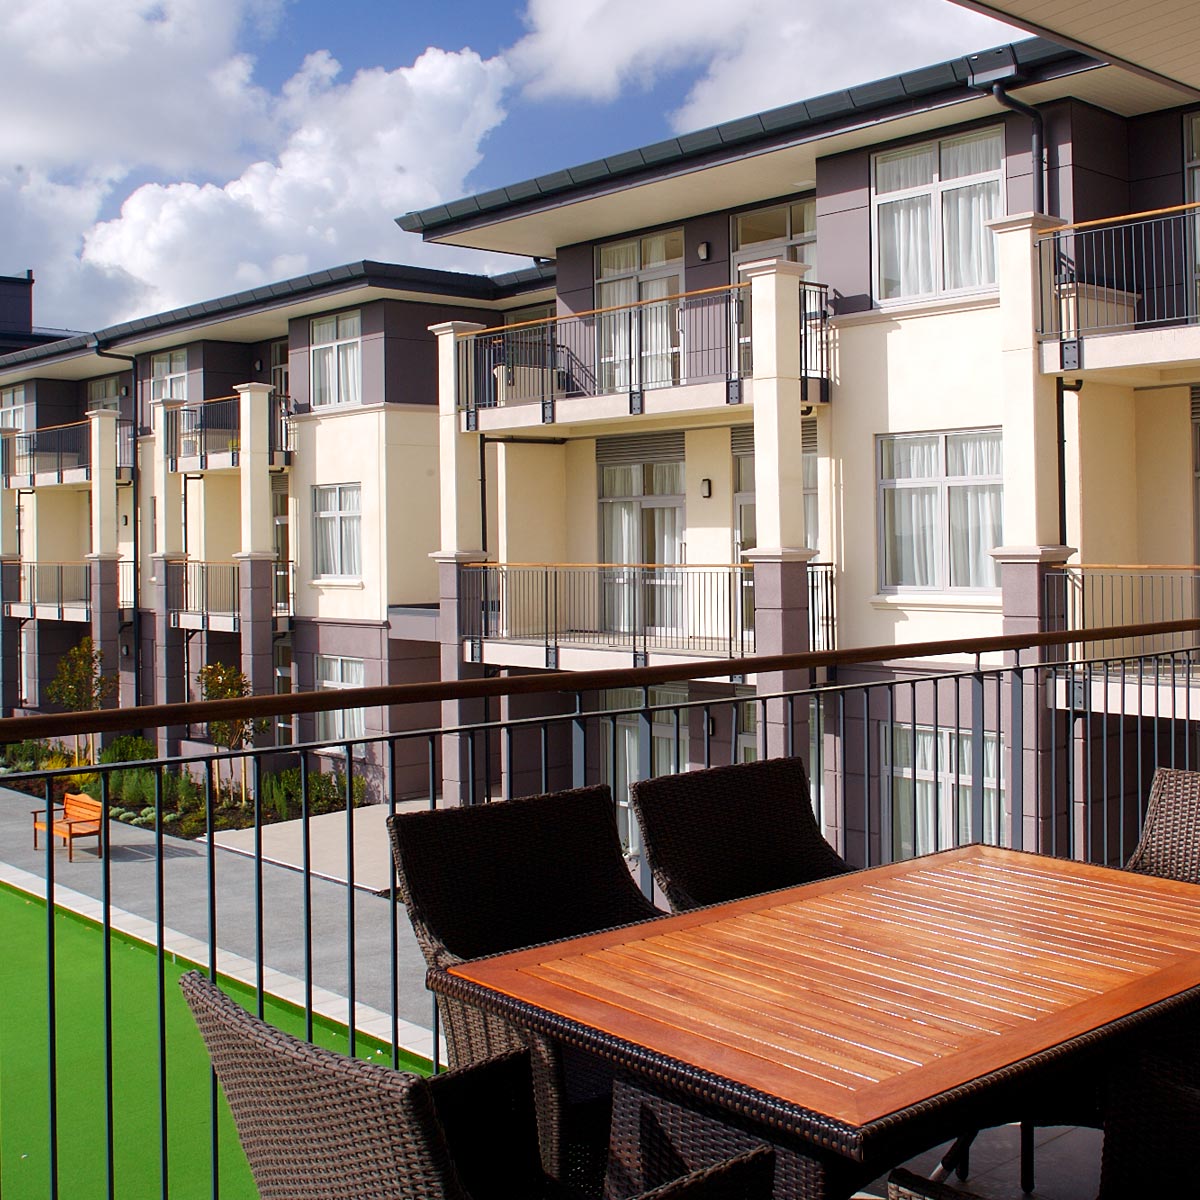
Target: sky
{"points": [[158, 152]]}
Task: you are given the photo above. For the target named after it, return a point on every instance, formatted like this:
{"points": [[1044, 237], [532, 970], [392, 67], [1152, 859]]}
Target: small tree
{"points": [[220, 682], [80, 685]]}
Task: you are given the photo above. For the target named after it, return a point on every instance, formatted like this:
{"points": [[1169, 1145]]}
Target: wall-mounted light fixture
{"points": [[703, 250], [706, 488], [258, 364], [125, 391], [124, 651], [125, 519]]}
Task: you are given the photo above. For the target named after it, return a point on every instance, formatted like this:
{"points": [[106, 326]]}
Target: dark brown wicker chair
{"points": [[319, 1126], [1152, 1120], [904, 1185], [1170, 843], [502, 876], [729, 832]]}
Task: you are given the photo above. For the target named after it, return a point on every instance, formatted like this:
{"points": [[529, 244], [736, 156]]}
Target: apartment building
{"points": [[894, 364], [253, 480]]}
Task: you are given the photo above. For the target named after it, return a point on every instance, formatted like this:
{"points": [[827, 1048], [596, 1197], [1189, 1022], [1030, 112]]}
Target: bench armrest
{"points": [[41, 812]]}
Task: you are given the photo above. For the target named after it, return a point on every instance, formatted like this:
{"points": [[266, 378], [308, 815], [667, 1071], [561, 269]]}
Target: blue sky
{"points": [[158, 152]]}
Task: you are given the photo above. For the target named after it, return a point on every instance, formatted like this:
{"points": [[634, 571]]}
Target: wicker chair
{"points": [[1170, 844], [904, 1185], [729, 832], [319, 1126], [502, 876], [1153, 1112]]}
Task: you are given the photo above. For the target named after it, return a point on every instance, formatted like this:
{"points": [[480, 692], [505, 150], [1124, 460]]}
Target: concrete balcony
{"points": [[678, 355], [60, 455], [585, 615], [1117, 299], [52, 591], [207, 436], [203, 595]]}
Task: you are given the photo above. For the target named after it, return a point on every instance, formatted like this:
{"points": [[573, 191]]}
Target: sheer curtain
{"points": [[613, 334], [322, 375], [325, 531], [905, 247], [976, 509], [910, 513], [620, 544], [351, 531], [349, 373], [658, 332], [970, 251]]}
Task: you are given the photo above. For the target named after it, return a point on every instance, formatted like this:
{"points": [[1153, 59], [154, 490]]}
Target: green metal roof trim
{"points": [[396, 276], [735, 138]]}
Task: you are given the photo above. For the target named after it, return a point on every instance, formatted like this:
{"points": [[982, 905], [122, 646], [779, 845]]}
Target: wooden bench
{"points": [[78, 816]]}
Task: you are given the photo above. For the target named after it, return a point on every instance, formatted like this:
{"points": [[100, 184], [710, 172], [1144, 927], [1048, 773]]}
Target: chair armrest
{"points": [[41, 812], [749, 1176], [904, 1185], [488, 1120]]}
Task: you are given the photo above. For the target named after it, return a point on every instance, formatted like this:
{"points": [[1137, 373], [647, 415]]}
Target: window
{"points": [[931, 775], [940, 500], [1192, 170], [336, 360], [104, 393], [782, 231], [12, 407], [337, 530], [168, 375], [331, 672], [647, 271], [929, 204], [281, 654], [668, 748]]}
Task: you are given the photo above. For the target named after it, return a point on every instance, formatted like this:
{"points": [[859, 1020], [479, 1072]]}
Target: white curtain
{"points": [[970, 252], [910, 525], [660, 337], [619, 258], [322, 376], [976, 510], [906, 247], [663, 544], [325, 530], [621, 544], [613, 331], [349, 373], [905, 169], [351, 531], [971, 155]]}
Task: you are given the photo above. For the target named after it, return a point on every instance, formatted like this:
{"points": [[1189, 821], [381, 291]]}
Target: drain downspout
{"points": [[1037, 142]]}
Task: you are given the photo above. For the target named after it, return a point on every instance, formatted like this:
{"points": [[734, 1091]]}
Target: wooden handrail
{"points": [[1132, 567], [1137, 216], [50, 428], [596, 312], [108, 720], [609, 566]]}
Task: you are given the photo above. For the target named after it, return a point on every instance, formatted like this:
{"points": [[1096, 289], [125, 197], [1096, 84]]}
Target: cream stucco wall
{"points": [[219, 504], [1166, 510], [531, 488], [709, 522], [582, 507], [58, 525], [391, 452], [904, 373]]}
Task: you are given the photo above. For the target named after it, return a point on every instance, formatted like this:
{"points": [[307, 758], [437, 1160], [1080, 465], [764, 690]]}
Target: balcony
{"points": [[692, 350], [204, 436], [296, 909], [52, 591], [204, 595], [60, 454], [1118, 297], [542, 613]]}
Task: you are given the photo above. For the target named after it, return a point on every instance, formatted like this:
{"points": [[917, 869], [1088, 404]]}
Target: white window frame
{"points": [[951, 771], [104, 394], [338, 515], [943, 483], [1191, 175], [330, 673], [335, 347], [168, 376], [935, 191], [12, 407]]}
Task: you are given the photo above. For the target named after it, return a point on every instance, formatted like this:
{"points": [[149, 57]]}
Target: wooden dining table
{"points": [[860, 1018]]}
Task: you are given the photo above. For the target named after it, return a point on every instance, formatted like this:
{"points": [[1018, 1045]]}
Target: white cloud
{"points": [[755, 55], [356, 155]]}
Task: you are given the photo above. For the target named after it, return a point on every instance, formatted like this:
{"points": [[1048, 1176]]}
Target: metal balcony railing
{"points": [[202, 430], [282, 431], [635, 607], [58, 585], [1119, 274], [1092, 596], [53, 450], [126, 446], [693, 337], [125, 583], [1003, 751], [203, 589], [284, 588]]}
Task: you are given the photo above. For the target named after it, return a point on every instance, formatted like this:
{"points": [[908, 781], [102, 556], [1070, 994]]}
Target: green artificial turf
{"points": [[24, 1067]]}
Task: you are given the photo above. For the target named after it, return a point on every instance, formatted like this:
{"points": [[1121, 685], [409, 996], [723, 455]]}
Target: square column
{"points": [[459, 452], [256, 611], [170, 684], [254, 461]]}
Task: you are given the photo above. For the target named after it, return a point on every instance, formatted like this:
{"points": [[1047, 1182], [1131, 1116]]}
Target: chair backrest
{"points": [[729, 832], [316, 1125], [1170, 844], [514, 873]]}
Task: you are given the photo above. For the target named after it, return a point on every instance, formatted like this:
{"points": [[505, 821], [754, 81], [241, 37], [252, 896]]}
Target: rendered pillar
{"points": [[10, 584], [104, 558]]}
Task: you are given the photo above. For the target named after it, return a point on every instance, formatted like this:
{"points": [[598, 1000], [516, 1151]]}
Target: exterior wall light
{"points": [[703, 250], [706, 488]]}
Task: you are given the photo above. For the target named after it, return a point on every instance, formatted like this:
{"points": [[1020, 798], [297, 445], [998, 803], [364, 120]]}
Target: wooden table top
{"points": [[861, 995]]}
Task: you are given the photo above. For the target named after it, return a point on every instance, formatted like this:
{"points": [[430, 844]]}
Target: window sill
{"points": [[983, 602], [930, 306], [347, 583]]}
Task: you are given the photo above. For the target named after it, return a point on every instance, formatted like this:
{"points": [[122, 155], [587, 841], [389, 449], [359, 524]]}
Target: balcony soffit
{"points": [[1158, 37], [761, 176]]}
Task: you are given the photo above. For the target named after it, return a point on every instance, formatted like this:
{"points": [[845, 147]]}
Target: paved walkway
{"points": [[185, 913]]}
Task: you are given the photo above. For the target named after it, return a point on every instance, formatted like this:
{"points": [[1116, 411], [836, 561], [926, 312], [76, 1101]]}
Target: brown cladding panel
{"points": [[224, 365], [713, 272], [575, 271]]}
